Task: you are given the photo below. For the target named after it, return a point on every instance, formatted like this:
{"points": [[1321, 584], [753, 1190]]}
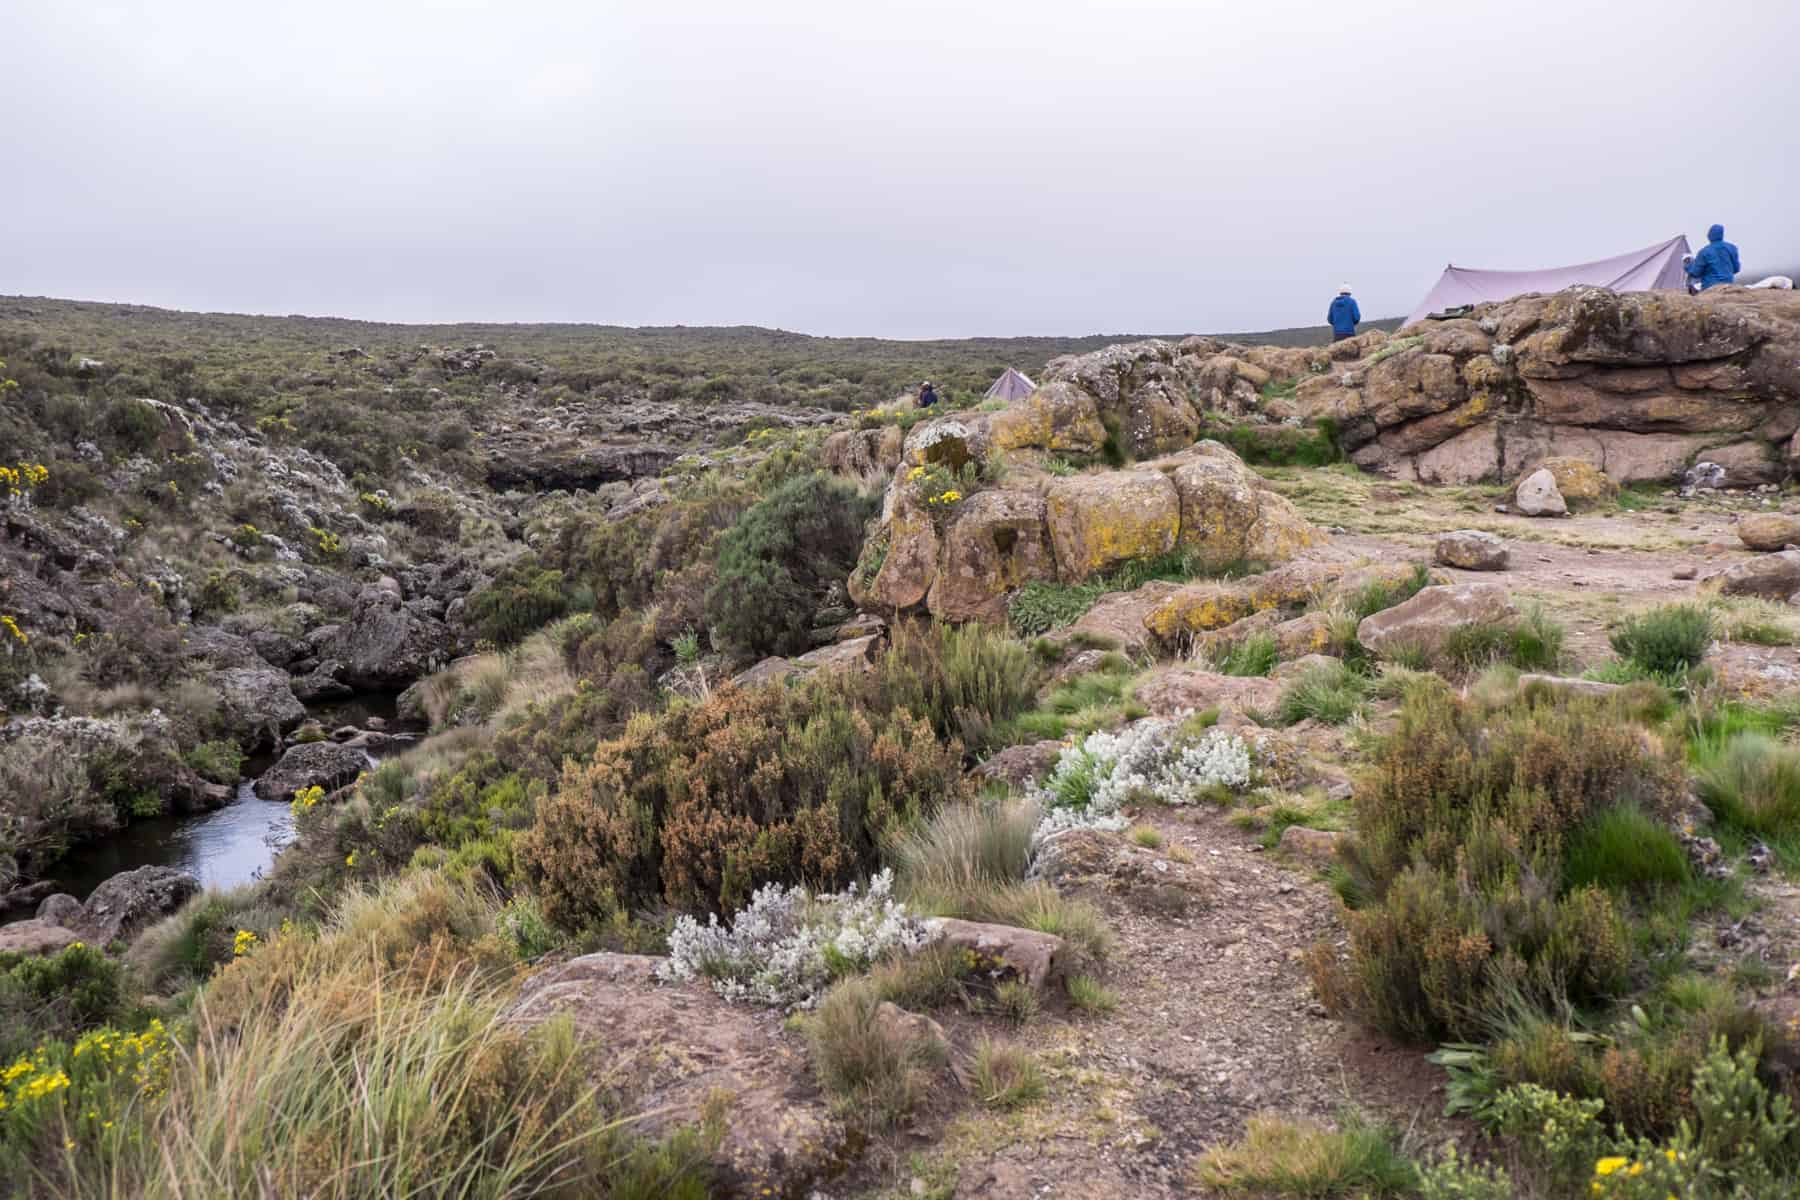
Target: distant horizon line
{"points": [[841, 337]]}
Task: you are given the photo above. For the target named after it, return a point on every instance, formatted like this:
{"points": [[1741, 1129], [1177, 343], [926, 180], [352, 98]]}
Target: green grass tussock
{"points": [[1328, 692], [1280, 1157], [1665, 641]]}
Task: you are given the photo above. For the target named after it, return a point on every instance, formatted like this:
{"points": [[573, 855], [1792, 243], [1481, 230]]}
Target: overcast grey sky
{"points": [[907, 169]]}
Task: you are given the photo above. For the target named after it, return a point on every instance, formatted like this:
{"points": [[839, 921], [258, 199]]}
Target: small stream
{"points": [[229, 846]]}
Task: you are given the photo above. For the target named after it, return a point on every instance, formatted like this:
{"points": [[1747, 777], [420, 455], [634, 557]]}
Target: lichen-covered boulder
{"points": [[995, 542], [1423, 623], [899, 564], [1769, 531], [1198, 608], [1034, 959], [1097, 522], [1059, 418], [131, 900], [1581, 483], [388, 642], [1228, 517], [257, 703]]}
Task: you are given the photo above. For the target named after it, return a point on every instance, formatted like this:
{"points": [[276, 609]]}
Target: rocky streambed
{"points": [[235, 843]]}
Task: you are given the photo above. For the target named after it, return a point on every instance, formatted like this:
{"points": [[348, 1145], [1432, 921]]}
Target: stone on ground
{"points": [[1034, 959], [1769, 531], [1538, 496], [1423, 622], [1471, 550], [1771, 576]]}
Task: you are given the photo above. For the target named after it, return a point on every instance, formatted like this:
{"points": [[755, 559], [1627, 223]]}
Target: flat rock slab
{"points": [[1168, 691], [1424, 621], [1771, 576], [35, 937], [1096, 862], [1569, 687], [672, 1049], [1471, 550]]}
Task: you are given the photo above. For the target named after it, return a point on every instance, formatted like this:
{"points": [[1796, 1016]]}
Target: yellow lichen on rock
{"points": [[1197, 608], [1097, 522]]}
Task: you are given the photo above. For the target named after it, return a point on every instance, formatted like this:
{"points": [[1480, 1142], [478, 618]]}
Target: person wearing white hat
{"points": [[1343, 315]]}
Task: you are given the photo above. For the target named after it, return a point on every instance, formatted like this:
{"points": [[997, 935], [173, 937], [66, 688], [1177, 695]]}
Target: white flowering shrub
{"points": [[1091, 782], [788, 946]]}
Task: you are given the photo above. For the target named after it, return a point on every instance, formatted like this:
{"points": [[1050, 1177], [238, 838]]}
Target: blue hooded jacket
{"points": [[1344, 314], [1717, 263]]}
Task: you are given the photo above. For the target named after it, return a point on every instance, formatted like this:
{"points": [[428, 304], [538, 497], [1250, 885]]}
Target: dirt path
{"points": [[1216, 1022]]}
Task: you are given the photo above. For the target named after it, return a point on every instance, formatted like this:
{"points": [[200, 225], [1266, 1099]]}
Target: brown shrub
{"points": [[699, 805]]}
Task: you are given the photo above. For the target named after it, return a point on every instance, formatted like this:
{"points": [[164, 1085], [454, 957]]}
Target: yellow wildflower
{"points": [[1607, 1166], [350, 859], [243, 943]]}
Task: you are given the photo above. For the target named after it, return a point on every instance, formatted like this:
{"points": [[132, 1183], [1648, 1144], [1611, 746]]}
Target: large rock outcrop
{"points": [[962, 559], [1640, 385], [388, 642]]}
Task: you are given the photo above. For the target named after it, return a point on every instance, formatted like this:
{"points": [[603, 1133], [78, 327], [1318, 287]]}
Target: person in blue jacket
{"points": [[1343, 315], [1717, 263]]}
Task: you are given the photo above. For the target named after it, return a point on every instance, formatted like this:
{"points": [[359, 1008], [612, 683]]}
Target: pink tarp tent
{"points": [[1640, 271], [1011, 386]]}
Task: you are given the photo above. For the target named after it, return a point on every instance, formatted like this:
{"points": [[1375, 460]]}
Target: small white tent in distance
{"points": [[1658, 266], [1012, 385]]}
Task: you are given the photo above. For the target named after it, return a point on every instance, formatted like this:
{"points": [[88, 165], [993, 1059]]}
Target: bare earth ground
{"points": [[1216, 1020]]}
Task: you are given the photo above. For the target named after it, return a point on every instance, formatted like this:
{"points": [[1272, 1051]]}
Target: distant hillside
{"points": [[1306, 335], [257, 362]]}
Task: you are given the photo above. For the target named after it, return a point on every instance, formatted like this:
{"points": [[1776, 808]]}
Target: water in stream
{"points": [[229, 846]]}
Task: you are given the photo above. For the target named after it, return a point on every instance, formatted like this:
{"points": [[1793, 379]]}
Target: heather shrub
{"points": [[966, 681], [703, 803], [522, 598], [1481, 837], [1667, 640], [776, 562], [57, 996], [1533, 769]]}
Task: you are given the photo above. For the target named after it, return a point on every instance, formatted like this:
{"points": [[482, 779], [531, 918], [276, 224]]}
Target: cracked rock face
{"points": [[1640, 386]]}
